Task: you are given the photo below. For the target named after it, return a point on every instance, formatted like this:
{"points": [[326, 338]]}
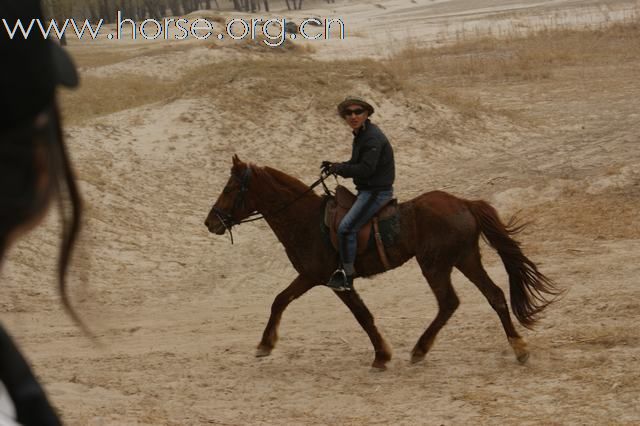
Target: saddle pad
{"points": [[388, 225]]}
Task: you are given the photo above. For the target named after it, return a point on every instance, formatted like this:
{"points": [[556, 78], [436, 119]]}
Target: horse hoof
{"points": [[417, 357], [378, 365], [520, 349], [263, 351], [523, 357]]}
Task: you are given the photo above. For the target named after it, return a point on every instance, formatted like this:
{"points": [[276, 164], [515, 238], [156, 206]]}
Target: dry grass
{"points": [[443, 73], [98, 96], [610, 215], [89, 58], [513, 57], [287, 79], [269, 86], [210, 15], [262, 44]]}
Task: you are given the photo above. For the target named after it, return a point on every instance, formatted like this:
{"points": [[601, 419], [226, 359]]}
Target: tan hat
{"points": [[354, 100]]}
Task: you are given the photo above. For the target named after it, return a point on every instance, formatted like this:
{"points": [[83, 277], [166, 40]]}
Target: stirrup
{"points": [[339, 281]]}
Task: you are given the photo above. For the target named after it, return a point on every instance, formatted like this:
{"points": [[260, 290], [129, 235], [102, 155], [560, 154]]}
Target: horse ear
{"points": [[236, 160]]}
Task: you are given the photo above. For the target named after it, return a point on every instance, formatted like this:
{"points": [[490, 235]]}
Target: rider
{"points": [[372, 168], [34, 169]]}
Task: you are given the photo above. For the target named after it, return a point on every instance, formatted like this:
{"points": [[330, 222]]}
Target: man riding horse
{"points": [[372, 168]]}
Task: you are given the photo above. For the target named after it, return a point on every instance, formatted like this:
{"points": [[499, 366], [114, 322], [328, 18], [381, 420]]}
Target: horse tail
{"points": [[529, 288]]}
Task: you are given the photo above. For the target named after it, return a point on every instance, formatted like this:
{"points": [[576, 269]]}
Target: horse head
{"points": [[233, 204]]}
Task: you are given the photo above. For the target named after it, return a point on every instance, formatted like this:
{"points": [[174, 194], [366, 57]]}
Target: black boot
{"points": [[340, 281]]}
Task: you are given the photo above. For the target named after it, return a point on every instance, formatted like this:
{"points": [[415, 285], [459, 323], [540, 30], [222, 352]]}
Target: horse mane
{"points": [[286, 182]]}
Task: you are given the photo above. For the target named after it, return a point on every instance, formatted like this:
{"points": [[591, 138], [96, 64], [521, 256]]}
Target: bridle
{"points": [[227, 218]]}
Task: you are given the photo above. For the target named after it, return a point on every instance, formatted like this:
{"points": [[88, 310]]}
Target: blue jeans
{"points": [[366, 206]]}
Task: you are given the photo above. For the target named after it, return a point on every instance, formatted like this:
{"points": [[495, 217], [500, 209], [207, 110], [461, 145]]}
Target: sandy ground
{"points": [[179, 311]]}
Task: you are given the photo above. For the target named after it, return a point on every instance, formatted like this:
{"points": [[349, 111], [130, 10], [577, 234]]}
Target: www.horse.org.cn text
{"points": [[275, 30]]}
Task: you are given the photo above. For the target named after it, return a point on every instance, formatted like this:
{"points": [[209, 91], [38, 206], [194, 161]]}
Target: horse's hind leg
{"points": [[472, 268], [365, 319], [440, 282], [297, 288]]}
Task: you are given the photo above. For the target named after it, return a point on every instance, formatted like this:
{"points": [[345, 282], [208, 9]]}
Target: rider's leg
{"points": [[366, 206]]}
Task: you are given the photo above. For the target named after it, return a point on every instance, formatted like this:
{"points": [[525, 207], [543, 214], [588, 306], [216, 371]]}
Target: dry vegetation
{"points": [[445, 71], [280, 74], [98, 96]]}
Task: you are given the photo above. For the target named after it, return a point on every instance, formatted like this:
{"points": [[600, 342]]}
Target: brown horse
{"points": [[440, 230]]}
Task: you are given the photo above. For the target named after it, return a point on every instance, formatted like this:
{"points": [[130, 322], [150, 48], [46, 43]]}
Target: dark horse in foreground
{"points": [[441, 231]]}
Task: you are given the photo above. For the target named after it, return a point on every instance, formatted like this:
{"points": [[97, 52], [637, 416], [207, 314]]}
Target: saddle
{"points": [[338, 206]]}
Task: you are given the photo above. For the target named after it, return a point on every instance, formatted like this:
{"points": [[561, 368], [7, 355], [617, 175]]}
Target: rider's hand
{"points": [[330, 168], [334, 168], [326, 166]]}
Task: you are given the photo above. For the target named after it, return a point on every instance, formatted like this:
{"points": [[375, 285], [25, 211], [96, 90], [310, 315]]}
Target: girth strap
{"points": [[380, 245]]}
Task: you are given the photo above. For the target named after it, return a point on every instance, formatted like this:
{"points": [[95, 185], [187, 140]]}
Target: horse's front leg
{"points": [[361, 312], [297, 288]]}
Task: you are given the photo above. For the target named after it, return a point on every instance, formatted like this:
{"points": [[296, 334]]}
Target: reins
{"points": [[227, 219]]}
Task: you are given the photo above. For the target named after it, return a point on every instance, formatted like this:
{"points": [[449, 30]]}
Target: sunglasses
{"points": [[348, 112]]}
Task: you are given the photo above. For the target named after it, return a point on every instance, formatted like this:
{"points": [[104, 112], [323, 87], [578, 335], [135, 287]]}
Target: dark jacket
{"points": [[372, 165], [28, 397]]}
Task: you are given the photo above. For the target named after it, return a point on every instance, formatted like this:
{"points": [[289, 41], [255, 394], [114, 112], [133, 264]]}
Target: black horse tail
{"points": [[529, 288]]}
